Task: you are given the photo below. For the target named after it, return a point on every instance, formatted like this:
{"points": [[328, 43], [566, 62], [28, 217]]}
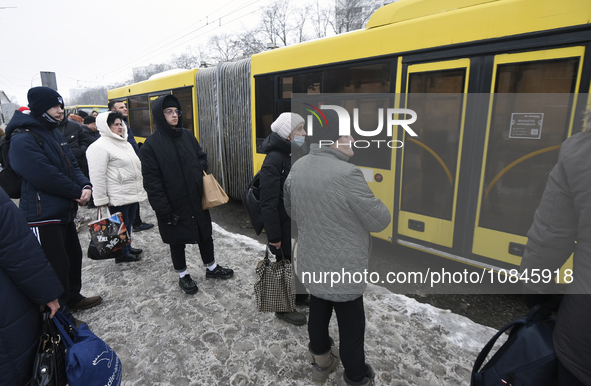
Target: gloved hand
{"points": [[548, 302]]}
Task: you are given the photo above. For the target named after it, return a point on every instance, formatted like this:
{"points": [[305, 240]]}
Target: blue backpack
{"points": [[527, 358]]}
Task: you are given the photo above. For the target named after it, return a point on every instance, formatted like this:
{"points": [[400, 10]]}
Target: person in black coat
{"points": [[73, 132], [288, 128], [90, 130], [27, 281], [172, 166]]}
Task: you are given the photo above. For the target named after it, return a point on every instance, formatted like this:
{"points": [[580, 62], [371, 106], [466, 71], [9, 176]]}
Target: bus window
{"points": [[517, 165], [264, 98], [185, 97], [309, 83], [139, 116], [430, 160], [374, 78]]}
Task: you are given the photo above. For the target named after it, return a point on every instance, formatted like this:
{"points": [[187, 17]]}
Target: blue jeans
{"points": [[128, 212]]}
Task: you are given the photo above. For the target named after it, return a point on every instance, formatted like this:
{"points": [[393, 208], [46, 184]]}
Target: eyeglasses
{"points": [[173, 112]]}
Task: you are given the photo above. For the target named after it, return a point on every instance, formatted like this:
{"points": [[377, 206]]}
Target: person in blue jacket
{"points": [[53, 186], [27, 283]]}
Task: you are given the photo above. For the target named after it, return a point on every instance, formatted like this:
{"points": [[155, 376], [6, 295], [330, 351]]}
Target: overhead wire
{"points": [[156, 52]]}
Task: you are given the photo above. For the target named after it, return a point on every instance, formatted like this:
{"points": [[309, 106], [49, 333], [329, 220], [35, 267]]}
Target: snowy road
{"points": [[217, 336]]}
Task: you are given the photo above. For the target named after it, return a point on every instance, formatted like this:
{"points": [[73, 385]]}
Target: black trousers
{"points": [[62, 248], [137, 221], [179, 260], [351, 321]]}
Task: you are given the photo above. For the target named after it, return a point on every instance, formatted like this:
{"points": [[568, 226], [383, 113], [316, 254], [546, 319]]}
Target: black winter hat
{"points": [[42, 99], [329, 129], [170, 102], [89, 119]]}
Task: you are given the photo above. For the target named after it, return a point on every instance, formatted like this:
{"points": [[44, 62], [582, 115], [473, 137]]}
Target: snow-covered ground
{"points": [[217, 337]]}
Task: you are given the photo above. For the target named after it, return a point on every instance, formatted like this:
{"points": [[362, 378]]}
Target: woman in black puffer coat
{"points": [[288, 128]]}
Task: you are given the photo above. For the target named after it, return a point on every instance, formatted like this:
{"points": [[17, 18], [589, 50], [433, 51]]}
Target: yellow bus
{"points": [[138, 97], [88, 109], [466, 188], [476, 201]]}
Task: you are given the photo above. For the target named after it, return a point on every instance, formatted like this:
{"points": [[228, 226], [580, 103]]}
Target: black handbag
{"points": [[252, 204], [527, 358], [49, 368]]}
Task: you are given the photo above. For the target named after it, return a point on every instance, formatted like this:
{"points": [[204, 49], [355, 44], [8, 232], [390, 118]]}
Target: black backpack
{"points": [[252, 203], [527, 358], [9, 180]]}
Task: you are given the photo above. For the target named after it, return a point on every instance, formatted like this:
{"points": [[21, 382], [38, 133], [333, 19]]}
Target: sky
{"points": [[90, 43]]}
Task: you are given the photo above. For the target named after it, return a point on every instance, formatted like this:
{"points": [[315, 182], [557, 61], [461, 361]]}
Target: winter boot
{"points": [[324, 364], [366, 381]]}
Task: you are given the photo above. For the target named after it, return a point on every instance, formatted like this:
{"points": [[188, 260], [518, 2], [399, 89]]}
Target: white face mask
{"points": [[299, 140]]}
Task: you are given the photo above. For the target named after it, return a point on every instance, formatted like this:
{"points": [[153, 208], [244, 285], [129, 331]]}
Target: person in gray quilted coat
{"points": [[561, 228], [335, 212]]}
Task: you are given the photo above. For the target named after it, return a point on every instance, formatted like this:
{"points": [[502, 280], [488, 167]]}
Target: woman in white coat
{"points": [[116, 174]]}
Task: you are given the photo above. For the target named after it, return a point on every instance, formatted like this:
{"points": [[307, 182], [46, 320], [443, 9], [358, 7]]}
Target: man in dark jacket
{"points": [[27, 282], [90, 130], [73, 132], [52, 188], [172, 166], [120, 107]]}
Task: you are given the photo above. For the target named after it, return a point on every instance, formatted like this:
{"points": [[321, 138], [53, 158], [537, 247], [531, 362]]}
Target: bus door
{"points": [[531, 112], [431, 161], [152, 123]]}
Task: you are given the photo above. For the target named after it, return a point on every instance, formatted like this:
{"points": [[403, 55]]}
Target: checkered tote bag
{"points": [[274, 286]]}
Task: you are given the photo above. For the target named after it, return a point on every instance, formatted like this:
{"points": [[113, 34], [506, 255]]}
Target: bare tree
{"points": [[91, 96], [275, 25], [250, 43], [146, 72], [301, 16], [321, 18], [185, 60], [192, 58], [350, 15], [224, 48]]}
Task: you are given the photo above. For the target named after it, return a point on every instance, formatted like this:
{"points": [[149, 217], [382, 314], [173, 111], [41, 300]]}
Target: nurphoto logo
{"points": [[394, 117]]}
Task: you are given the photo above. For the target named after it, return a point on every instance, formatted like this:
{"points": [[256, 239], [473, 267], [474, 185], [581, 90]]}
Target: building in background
{"points": [[7, 109]]}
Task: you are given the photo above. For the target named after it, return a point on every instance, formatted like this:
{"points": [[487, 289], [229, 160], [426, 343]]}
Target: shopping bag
{"points": [[213, 194], [93, 253], [89, 360], [274, 287], [527, 358], [108, 234]]}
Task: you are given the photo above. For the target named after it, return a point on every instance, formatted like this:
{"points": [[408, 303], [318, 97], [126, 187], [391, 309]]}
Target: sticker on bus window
{"points": [[526, 125]]}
